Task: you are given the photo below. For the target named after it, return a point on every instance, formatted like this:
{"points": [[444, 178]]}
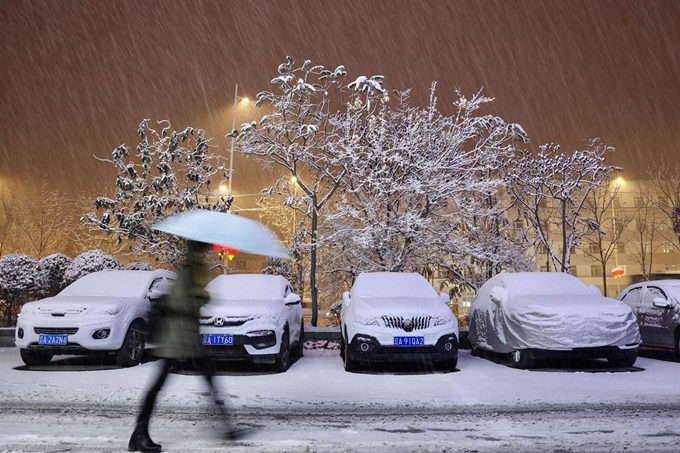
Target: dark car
{"points": [[656, 304]]}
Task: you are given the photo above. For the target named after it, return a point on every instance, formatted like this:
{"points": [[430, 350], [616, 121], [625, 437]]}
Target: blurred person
{"points": [[178, 339]]}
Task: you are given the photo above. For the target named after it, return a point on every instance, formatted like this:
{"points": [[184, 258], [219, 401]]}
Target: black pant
{"points": [[205, 366]]}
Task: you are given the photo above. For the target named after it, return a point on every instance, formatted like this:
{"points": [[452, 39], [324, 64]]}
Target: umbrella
{"points": [[225, 229]]}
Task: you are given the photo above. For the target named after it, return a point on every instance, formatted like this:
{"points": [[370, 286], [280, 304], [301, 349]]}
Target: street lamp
{"points": [[233, 127], [617, 272]]}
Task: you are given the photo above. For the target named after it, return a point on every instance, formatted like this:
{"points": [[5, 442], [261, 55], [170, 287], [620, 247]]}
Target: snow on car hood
{"points": [[558, 322], [264, 313], [76, 306], [367, 309]]}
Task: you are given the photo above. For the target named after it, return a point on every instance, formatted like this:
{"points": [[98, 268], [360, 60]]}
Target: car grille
{"points": [[56, 330], [56, 312], [216, 321], [407, 324]]}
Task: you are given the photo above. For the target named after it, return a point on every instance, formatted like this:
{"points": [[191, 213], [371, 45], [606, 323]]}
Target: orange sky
{"points": [[78, 76]]}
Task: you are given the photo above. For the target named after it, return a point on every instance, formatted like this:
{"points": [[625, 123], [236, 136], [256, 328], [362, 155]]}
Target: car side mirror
{"points": [[498, 294], [154, 294], [660, 302], [445, 298], [292, 299], [345, 298]]}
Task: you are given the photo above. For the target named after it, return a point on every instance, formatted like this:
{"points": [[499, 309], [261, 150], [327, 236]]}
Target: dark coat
{"points": [[178, 332]]}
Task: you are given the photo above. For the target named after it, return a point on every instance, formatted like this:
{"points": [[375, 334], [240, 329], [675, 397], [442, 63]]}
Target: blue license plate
{"points": [[218, 339], [55, 340], [409, 341]]}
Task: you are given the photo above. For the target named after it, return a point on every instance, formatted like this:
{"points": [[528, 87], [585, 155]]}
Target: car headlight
{"points": [[110, 310], [442, 321], [260, 333]]}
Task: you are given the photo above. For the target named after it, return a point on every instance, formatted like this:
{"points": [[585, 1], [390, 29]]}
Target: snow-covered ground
{"points": [[78, 405]]}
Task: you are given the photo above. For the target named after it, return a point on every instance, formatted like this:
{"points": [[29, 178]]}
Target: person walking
{"points": [[178, 339]]}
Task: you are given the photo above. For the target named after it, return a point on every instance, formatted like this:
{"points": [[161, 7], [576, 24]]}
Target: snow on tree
{"points": [[139, 266], [19, 282], [88, 262], [51, 270], [420, 186], [170, 172], [551, 189], [304, 137]]}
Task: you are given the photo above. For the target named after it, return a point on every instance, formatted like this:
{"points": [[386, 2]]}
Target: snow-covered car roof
{"points": [[543, 284], [119, 283], [247, 286], [391, 284]]}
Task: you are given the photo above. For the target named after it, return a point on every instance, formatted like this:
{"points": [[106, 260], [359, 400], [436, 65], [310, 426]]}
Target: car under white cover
{"points": [[536, 315]]}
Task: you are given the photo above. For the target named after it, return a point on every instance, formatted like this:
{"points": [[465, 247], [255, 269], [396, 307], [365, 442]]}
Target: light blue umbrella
{"points": [[221, 228]]}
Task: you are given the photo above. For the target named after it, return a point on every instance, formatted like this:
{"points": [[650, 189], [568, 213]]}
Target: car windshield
{"points": [[110, 283], [392, 285], [239, 287], [545, 284]]}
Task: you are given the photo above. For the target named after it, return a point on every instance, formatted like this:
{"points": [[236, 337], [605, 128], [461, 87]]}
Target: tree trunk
{"points": [[312, 268], [564, 235]]}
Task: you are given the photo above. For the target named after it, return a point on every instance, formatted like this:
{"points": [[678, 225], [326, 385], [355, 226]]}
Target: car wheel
{"points": [[33, 358], [622, 361], [130, 353], [350, 363], [342, 348], [521, 359], [448, 365], [282, 361], [300, 347], [677, 345]]}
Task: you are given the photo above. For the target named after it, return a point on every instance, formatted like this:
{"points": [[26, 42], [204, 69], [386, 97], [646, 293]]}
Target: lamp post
{"points": [[233, 126], [615, 273]]}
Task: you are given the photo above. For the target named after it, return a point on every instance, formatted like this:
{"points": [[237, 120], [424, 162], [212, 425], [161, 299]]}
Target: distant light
{"points": [[223, 188]]}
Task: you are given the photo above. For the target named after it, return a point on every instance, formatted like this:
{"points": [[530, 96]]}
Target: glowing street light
{"points": [[233, 127]]}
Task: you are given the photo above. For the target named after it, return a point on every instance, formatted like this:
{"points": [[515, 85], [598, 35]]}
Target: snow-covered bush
{"points": [[139, 266], [51, 271], [19, 281], [88, 262]]}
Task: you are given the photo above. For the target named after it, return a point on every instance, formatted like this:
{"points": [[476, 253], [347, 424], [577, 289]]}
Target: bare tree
{"points": [[665, 180], [551, 189], [44, 220], [647, 220], [601, 207], [9, 204]]}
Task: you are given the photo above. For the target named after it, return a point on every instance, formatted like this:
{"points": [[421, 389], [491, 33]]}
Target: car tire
{"points": [[350, 363], [677, 345], [622, 361], [34, 358], [521, 359], [299, 350], [283, 360], [130, 353], [448, 366]]}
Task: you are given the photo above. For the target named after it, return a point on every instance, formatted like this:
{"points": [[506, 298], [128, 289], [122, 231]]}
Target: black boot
{"points": [[140, 441]]}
